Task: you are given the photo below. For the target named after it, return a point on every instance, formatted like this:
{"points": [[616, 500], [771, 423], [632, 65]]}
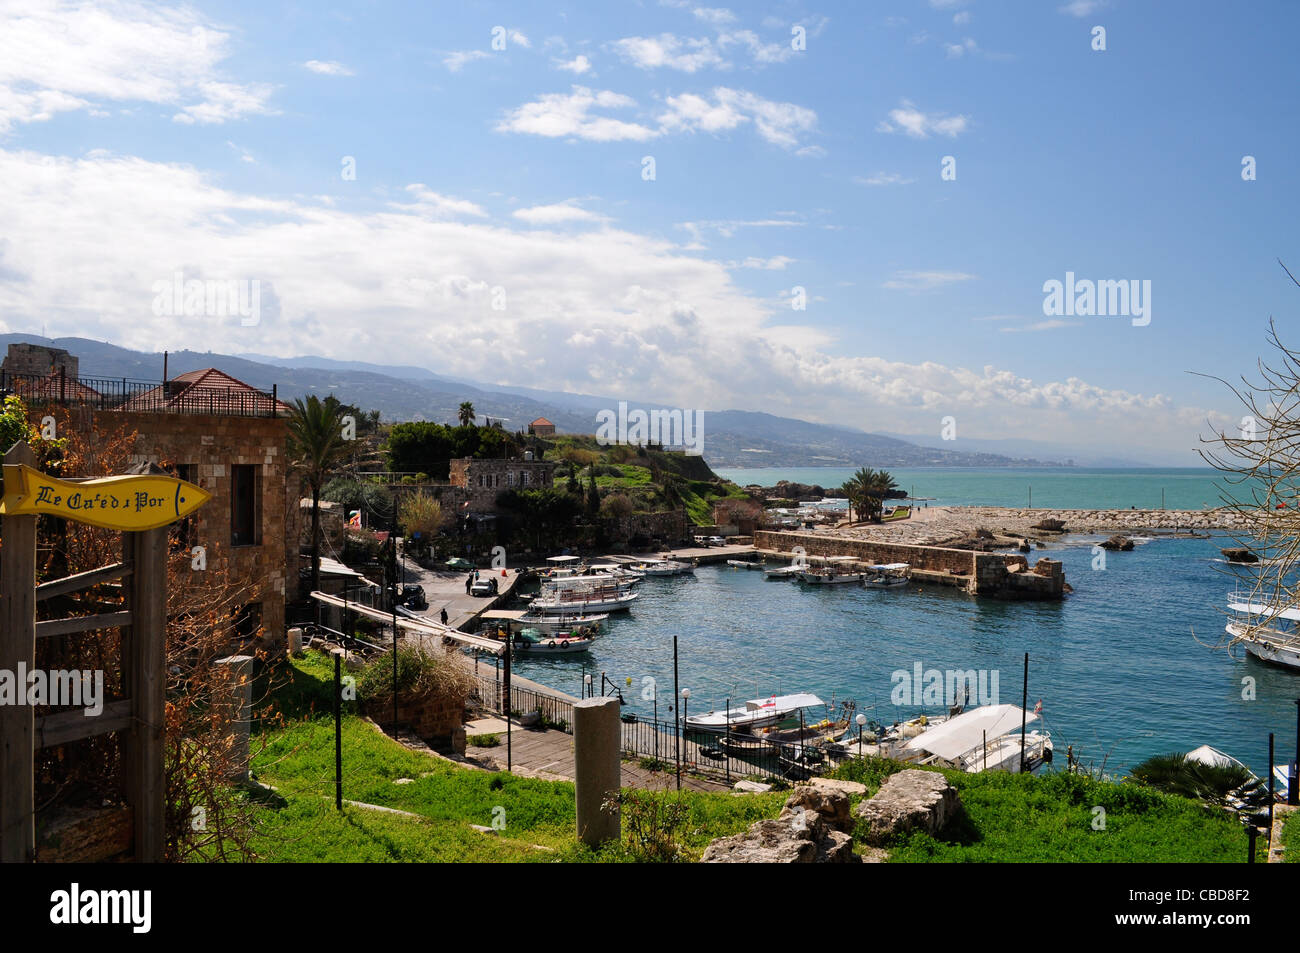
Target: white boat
{"points": [[756, 713], [664, 567], [533, 642], [836, 573], [783, 572], [563, 622], [584, 600], [745, 563], [1267, 630], [887, 576], [981, 739]]}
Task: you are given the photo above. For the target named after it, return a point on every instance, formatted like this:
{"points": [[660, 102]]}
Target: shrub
{"points": [[419, 675]]}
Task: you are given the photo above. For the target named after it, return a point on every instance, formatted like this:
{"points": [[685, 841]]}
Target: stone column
{"points": [[295, 641], [597, 772], [233, 705]]}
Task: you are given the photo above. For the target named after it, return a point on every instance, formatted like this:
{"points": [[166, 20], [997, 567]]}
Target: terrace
{"points": [[206, 392]]}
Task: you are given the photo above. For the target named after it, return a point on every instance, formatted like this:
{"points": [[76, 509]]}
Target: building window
{"points": [[512, 477], [245, 505], [247, 623], [184, 530], [524, 475]]}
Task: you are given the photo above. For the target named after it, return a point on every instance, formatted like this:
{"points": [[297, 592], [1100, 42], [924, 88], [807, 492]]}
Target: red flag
{"points": [[1038, 709]]}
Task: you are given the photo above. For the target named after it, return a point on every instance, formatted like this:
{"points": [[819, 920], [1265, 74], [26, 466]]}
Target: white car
{"points": [[482, 587], [715, 541]]}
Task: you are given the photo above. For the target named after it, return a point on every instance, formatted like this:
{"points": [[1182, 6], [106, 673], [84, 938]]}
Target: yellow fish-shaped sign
{"points": [[129, 503]]}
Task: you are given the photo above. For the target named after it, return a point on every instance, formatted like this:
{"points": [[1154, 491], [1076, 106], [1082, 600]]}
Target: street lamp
{"points": [[586, 681], [686, 706], [861, 720]]}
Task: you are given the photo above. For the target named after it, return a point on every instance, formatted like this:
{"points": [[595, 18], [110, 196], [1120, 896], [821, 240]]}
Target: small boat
{"points": [[745, 563], [745, 745], [831, 577], [564, 622], [1267, 630], [756, 713], [783, 572], [533, 642], [800, 762], [584, 601], [887, 576], [986, 738], [664, 567]]}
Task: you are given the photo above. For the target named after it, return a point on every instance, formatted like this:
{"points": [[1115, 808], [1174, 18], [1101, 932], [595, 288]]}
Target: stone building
{"points": [[36, 360], [541, 427], [482, 479], [230, 439]]}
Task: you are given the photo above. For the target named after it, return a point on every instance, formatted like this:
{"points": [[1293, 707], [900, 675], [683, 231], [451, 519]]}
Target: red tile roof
{"points": [[208, 391]]}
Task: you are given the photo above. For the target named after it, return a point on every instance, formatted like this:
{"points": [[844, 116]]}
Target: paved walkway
{"points": [[445, 588]]}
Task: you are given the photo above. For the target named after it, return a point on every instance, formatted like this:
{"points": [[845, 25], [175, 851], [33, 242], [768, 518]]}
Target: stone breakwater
{"points": [[938, 525]]}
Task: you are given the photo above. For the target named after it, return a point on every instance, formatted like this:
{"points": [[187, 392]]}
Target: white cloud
{"points": [[578, 65], [924, 280], [244, 154], [779, 123], [429, 204], [669, 51], [556, 115], [1082, 8], [955, 50], [556, 214], [328, 68], [602, 311], [919, 125], [884, 178], [1049, 325], [520, 39], [775, 263], [961, 18], [458, 58], [60, 56], [717, 16]]}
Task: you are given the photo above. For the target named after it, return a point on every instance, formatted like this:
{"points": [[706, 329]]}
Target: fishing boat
{"points": [[584, 600], [534, 642], [783, 572], [745, 563], [836, 573], [664, 567], [742, 744], [800, 762], [982, 739], [756, 713], [564, 622], [887, 576], [1267, 630]]}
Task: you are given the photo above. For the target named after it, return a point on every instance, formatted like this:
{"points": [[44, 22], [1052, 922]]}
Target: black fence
{"points": [[172, 397], [554, 712], [792, 755]]}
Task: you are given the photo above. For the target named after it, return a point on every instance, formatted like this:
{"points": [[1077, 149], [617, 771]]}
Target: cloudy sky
{"points": [[740, 207]]}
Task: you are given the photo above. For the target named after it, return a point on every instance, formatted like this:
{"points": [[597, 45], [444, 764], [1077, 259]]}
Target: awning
{"points": [[967, 731]]}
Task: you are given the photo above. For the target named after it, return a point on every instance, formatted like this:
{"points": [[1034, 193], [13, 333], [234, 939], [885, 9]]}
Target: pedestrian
{"points": [[443, 615], [469, 581]]}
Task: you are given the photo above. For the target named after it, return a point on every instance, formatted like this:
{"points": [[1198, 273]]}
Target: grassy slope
{"points": [[1009, 818]]}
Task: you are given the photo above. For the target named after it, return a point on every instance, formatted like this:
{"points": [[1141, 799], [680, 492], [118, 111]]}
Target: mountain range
{"points": [[732, 438]]}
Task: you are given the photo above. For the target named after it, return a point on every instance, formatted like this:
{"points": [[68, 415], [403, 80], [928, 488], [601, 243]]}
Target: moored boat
{"points": [[756, 713], [982, 739], [887, 576], [1266, 629]]}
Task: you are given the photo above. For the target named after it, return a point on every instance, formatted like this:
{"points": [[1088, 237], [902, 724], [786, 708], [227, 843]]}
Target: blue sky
{"points": [[138, 140]]}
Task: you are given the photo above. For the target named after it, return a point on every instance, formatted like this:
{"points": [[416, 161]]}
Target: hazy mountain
{"points": [[1016, 446], [732, 438]]}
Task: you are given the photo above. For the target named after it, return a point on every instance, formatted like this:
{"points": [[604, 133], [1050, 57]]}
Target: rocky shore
{"points": [[941, 525]]}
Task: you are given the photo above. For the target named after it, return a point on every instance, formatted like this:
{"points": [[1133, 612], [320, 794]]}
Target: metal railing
{"points": [[173, 397], [556, 712]]}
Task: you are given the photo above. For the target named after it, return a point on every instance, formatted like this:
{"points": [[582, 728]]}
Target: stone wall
{"points": [[38, 360], [670, 525], [480, 481], [437, 720], [212, 445], [987, 574]]}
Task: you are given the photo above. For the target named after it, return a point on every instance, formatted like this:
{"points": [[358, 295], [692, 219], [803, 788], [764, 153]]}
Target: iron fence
{"points": [[120, 393], [555, 712]]}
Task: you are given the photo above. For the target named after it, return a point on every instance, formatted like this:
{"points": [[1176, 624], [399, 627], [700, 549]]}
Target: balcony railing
{"points": [[120, 393]]}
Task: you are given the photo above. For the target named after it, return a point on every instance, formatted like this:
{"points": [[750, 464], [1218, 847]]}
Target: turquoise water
{"points": [[1184, 489], [1120, 675]]}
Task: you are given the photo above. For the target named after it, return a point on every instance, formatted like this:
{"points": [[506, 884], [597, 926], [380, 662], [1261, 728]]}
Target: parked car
{"points": [[486, 586], [413, 598], [715, 541], [457, 562]]}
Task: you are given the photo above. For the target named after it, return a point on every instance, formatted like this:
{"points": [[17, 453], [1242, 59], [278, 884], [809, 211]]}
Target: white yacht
{"points": [[1267, 629], [756, 713], [981, 739]]}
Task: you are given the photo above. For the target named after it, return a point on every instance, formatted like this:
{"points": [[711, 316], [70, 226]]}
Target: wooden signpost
{"points": [[141, 505]]}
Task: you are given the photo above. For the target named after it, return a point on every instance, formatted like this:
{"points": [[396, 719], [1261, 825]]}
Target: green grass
{"points": [[1008, 818], [1049, 819]]}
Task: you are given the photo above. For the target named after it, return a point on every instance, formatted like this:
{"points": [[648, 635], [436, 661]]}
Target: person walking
{"points": [[443, 615], [469, 581]]}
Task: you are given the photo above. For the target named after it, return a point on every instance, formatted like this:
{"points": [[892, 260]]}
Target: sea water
{"points": [[1119, 665]]}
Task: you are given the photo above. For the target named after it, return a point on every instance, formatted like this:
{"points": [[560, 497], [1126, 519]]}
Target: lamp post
{"points": [[861, 720], [586, 685], [686, 709]]}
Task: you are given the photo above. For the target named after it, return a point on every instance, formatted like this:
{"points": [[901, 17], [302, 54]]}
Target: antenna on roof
{"points": [[164, 367]]}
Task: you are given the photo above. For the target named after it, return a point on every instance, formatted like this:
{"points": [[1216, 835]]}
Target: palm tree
{"points": [[466, 413], [316, 449], [867, 490]]}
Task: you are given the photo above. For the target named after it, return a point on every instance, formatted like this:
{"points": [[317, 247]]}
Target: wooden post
{"points": [[144, 672], [17, 647]]}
